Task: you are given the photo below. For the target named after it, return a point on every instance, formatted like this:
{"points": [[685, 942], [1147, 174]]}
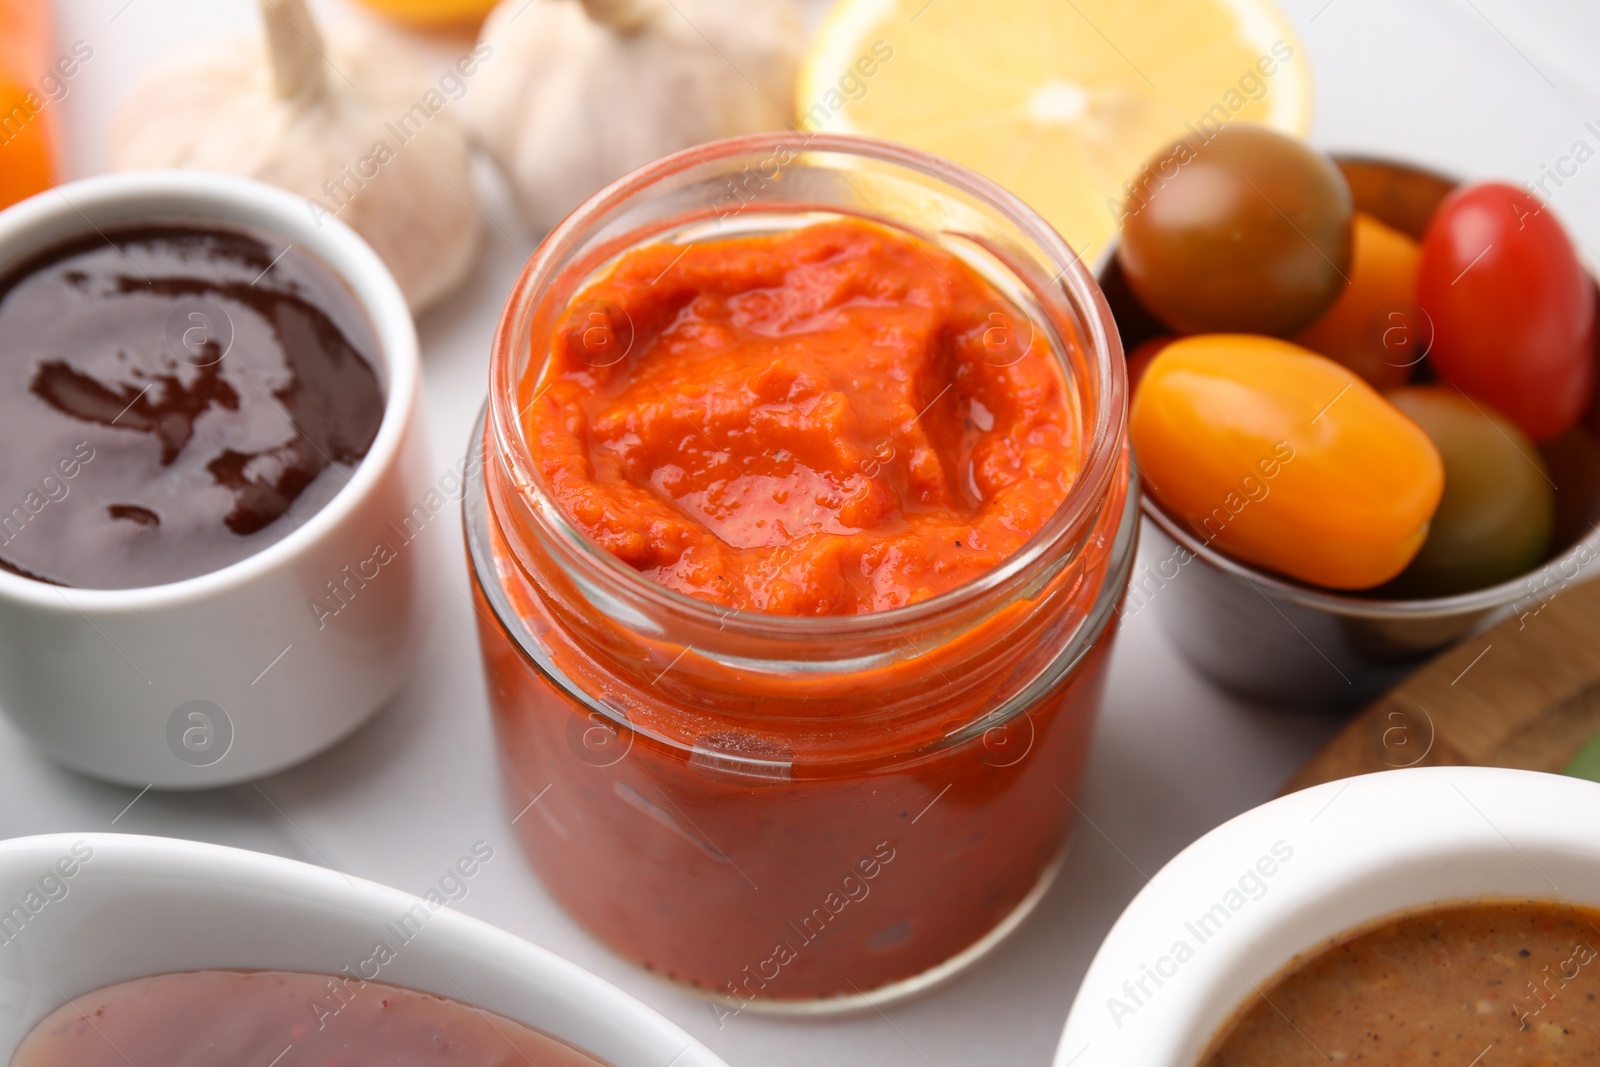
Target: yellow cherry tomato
{"points": [[1285, 460], [434, 12], [1374, 326]]}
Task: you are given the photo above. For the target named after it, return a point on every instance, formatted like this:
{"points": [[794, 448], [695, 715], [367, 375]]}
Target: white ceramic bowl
{"points": [[139, 906], [230, 675], [1310, 866]]}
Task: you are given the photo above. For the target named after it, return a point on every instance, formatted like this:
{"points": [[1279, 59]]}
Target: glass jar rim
{"points": [[1083, 498]]}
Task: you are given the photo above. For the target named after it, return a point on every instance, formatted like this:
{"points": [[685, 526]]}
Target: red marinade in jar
{"points": [[795, 554]]}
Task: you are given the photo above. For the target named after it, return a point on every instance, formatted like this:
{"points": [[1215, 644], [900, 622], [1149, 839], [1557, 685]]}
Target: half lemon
{"points": [[1060, 101]]}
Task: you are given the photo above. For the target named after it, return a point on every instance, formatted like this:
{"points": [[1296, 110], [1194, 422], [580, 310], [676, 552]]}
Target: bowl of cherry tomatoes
{"points": [[1362, 406]]}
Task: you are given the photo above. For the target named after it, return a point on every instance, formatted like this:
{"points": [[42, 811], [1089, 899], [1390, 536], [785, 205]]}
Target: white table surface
{"points": [[1477, 87]]}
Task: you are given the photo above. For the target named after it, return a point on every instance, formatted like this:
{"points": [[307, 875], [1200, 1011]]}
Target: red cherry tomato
{"points": [[1513, 311], [1140, 358]]}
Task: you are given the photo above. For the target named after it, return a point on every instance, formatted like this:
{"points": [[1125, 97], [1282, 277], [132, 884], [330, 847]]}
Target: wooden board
{"points": [[1525, 694]]}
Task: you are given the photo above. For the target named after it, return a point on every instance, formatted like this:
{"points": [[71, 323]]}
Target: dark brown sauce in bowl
{"points": [[281, 1019], [173, 399], [1492, 984]]}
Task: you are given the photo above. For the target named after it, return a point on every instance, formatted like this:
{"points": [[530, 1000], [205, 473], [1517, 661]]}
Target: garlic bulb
{"points": [[587, 91], [353, 126]]}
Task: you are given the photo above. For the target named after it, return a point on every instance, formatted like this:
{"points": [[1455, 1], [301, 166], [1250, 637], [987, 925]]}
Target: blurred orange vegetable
{"points": [[434, 12], [1284, 459], [1373, 327], [25, 157]]}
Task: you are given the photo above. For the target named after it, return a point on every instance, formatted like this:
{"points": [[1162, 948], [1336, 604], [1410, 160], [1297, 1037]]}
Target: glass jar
{"points": [[791, 812]]}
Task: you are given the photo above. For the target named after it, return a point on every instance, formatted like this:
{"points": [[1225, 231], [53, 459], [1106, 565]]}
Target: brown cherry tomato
{"points": [[1247, 231], [1498, 508]]}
